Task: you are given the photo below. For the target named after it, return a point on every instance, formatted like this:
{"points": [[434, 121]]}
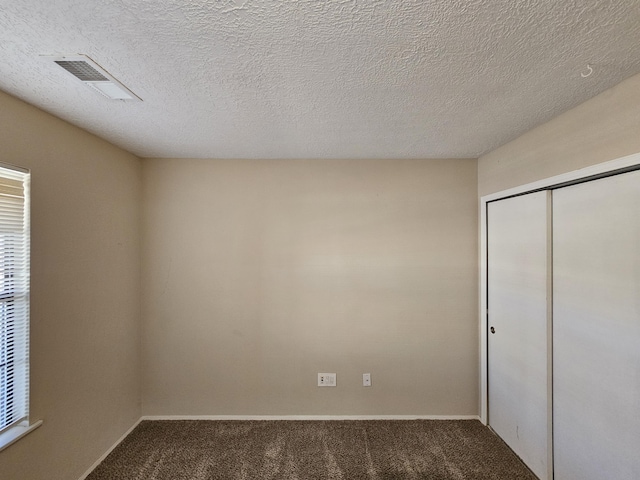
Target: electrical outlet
{"points": [[326, 379], [366, 379]]}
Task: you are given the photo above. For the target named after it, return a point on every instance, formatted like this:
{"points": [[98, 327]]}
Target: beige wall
{"points": [[85, 292], [604, 128], [258, 275]]}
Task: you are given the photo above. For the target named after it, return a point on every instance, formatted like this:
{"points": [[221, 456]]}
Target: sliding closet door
{"points": [[596, 329], [517, 343]]}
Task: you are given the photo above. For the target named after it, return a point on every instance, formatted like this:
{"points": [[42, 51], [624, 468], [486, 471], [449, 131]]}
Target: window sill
{"points": [[16, 433]]}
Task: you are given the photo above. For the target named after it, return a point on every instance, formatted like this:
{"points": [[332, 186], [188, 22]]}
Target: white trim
{"points": [[15, 433], [483, 312], [310, 417], [599, 169], [15, 167], [605, 167], [105, 454], [549, 335]]}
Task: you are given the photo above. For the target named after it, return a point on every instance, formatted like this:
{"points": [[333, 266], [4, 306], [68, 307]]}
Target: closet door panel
{"points": [[596, 329], [517, 303]]}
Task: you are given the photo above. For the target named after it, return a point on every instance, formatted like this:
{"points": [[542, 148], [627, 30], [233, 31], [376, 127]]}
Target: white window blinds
{"points": [[14, 297]]}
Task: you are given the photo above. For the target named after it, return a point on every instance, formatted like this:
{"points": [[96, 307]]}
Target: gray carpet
{"points": [[308, 450]]}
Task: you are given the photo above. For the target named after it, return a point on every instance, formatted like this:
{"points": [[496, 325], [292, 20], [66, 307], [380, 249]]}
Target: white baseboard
{"points": [[310, 417], [104, 455]]}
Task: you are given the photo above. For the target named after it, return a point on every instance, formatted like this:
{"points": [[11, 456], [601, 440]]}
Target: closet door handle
{"points": [[493, 330]]}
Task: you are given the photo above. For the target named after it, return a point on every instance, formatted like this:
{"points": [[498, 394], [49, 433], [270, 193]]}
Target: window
{"points": [[14, 304]]}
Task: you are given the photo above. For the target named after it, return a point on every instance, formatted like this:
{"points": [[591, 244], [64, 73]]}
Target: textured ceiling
{"points": [[319, 79]]}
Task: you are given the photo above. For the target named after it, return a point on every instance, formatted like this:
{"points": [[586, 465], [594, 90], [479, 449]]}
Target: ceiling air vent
{"points": [[94, 76]]}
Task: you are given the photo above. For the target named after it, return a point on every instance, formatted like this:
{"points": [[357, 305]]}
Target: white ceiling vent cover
{"points": [[94, 76]]}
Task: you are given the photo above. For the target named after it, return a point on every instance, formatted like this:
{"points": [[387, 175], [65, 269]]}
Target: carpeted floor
{"points": [[309, 450]]}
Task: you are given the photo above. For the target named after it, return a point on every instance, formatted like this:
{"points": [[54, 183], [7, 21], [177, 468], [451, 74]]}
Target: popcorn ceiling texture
{"points": [[319, 79]]}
